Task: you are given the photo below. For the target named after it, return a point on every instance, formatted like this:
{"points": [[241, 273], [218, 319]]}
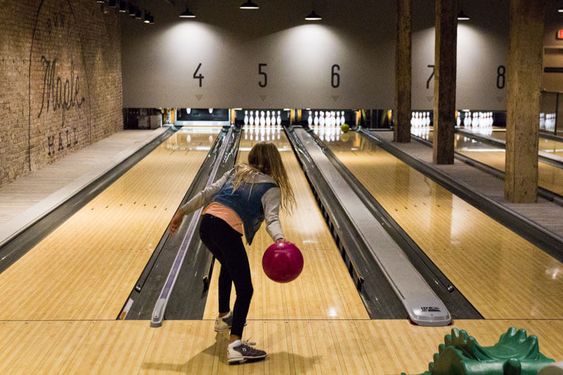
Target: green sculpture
{"points": [[516, 353]]}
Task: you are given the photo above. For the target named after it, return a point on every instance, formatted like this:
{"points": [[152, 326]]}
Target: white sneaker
{"points": [[241, 351], [224, 323]]}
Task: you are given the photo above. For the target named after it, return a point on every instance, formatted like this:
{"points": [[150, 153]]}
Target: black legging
{"points": [[226, 245]]}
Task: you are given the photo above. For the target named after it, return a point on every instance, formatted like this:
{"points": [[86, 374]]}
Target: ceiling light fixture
{"points": [[461, 16], [123, 6], [187, 14], [313, 16], [249, 5]]}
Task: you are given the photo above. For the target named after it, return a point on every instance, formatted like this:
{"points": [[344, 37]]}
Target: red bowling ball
{"points": [[282, 261]]}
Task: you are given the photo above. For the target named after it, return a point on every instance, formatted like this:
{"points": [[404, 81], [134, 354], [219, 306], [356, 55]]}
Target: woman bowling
{"points": [[237, 203]]}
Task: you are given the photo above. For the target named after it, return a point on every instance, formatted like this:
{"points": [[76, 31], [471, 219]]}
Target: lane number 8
{"points": [[501, 77]]}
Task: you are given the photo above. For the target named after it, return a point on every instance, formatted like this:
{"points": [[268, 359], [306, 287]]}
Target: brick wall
{"points": [[60, 86]]}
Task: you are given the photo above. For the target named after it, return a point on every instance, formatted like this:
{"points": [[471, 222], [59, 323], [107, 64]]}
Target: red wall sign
{"points": [[559, 34]]}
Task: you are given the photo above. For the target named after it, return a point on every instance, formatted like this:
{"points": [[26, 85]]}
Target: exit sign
{"points": [[559, 34]]}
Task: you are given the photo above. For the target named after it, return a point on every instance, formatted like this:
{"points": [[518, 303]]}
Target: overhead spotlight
{"points": [[313, 16], [249, 5], [147, 17], [123, 6], [187, 14], [132, 11], [100, 1], [461, 16], [560, 9], [138, 14]]}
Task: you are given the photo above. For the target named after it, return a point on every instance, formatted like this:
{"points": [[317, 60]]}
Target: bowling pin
{"points": [[542, 120], [278, 119], [251, 119], [245, 118], [268, 121]]}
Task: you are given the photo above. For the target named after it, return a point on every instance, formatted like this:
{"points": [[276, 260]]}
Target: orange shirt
{"points": [[225, 213]]}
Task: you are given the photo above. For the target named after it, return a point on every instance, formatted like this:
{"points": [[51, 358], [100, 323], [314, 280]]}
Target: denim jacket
{"points": [[254, 202]]}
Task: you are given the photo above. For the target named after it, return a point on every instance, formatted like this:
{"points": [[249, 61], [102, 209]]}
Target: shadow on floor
{"points": [[214, 357]]}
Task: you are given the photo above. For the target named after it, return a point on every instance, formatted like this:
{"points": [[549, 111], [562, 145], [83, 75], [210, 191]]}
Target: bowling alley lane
{"points": [[549, 176], [87, 267], [547, 145], [500, 273], [324, 290]]}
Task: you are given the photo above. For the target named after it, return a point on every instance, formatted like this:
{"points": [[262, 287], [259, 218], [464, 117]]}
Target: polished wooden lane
{"points": [[549, 177], [547, 145], [324, 289], [56, 181], [503, 275], [191, 347], [86, 268]]}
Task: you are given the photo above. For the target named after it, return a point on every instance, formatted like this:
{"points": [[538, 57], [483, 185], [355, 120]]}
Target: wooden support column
{"points": [[525, 60], [445, 81], [403, 72]]}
